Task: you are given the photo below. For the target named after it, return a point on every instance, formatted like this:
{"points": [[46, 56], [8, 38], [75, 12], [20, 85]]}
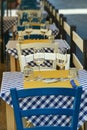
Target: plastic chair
{"points": [[72, 112]]}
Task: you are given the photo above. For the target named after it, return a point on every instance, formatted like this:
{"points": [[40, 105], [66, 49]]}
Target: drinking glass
{"points": [[20, 35], [73, 73], [43, 30], [28, 73], [47, 25], [62, 59], [28, 30], [51, 38], [26, 26], [30, 19], [39, 58], [39, 19]]}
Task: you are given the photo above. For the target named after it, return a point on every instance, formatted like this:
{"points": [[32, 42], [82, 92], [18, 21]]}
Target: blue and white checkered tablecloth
{"points": [[26, 51], [15, 79], [8, 23], [11, 47], [55, 30]]}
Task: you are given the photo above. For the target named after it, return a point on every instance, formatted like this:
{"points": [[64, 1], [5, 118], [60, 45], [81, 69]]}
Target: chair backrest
{"points": [[64, 57], [20, 28], [73, 112], [49, 63]]}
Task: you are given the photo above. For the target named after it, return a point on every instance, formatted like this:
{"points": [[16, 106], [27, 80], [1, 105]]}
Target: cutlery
{"points": [[53, 80]]}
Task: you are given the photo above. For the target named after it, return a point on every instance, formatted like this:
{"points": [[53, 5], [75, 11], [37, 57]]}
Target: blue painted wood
{"points": [[48, 111], [47, 91], [73, 112], [73, 84], [49, 128]]}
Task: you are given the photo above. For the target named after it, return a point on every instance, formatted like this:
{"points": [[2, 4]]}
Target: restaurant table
{"points": [[8, 23], [16, 79], [55, 30], [11, 49]]}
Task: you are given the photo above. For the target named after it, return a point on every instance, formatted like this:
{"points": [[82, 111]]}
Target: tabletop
{"points": [[9, 22], [8, 83]]}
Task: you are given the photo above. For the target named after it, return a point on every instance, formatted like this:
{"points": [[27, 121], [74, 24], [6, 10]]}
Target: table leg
{"points": [[17, 65], [82, 128], [85, 126], [14, 64], [10, 118]]}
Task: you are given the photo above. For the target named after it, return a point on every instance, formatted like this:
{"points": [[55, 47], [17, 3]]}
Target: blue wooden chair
{"points": [[36, 27], [26, 37], [20, 28], [72, 112]]}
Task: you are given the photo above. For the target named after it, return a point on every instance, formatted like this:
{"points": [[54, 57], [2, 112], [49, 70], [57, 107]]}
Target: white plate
{"points": [[51, 80]]}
